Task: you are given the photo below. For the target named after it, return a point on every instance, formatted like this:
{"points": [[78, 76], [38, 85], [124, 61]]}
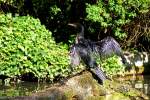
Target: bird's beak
{"points": [[72, 24]]}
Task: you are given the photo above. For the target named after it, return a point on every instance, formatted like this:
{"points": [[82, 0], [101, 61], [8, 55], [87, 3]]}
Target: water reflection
{"points": [[22, 88], [139, 82]]}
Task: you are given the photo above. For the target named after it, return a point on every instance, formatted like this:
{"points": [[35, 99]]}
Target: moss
{"points": [[117, 96], [96, 98], [70, 94], [123, 89], [86, 79], [113, 96]]}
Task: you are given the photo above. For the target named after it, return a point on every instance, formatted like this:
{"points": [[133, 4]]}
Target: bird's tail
{"points": [[99, 73]]}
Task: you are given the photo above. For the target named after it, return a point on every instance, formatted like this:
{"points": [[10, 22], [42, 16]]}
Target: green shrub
{"points": [[116, 13], [112, 66], [27, 46]]}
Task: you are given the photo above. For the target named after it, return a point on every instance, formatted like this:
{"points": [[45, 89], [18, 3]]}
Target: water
{"points": [[22, 88], [139, 82]]}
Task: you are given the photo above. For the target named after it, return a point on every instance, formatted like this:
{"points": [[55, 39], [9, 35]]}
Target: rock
{"points": [[85, 87]]}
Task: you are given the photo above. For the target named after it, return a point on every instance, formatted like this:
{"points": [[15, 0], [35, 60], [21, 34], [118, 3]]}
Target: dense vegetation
{"points": [[34, 36], [101, 18], [27, 47]]}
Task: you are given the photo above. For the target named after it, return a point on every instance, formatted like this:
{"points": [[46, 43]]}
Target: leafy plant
{"points": [[27, 46], [115, 14], [112, 66]]}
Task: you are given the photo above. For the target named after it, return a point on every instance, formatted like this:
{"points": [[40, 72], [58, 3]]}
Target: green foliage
{"points": [[112, 66], [115, 14], [99, 16], [26, 46], [7, 1], [97, 13], [54, 10]]}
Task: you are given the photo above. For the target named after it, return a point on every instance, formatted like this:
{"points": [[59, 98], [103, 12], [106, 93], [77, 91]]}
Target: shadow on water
{"points": [[34, 90], [29, 91], [21, 88], [140, 82]]}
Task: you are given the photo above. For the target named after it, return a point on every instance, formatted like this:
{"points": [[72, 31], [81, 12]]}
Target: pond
{"points": [[22, 88], [139, 82]]}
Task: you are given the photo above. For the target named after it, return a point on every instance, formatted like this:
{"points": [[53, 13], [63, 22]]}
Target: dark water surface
{"points": [[140, 82], [27, 88], [22, 88]]}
